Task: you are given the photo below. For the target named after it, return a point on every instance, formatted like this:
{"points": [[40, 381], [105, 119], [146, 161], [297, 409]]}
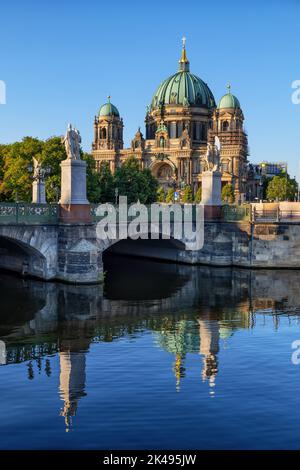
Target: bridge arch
{"points": [[30, 251]]}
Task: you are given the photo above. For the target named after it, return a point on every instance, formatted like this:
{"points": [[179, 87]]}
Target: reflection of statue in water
{"points": [[209, 348], [72, 383], [212, 156], [72, 141]]}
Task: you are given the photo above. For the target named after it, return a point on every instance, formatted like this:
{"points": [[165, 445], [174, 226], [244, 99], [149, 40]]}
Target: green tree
{"points": [[187, 194], [16, 183], [282, 188], [106, 184], [135, 183], [160, 194], [170, 195], [53, 153], [198, 195], [227, 193]]}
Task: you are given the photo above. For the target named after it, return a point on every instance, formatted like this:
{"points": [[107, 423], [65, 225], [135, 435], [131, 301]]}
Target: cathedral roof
{"points": [[183, 89], [229, 101], [108, 109]]}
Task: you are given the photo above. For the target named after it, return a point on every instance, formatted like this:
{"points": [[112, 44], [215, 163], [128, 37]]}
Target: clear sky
{"points": [[60, 60]]}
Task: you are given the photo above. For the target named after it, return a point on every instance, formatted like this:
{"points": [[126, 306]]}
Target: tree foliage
{"points": [[227, 194], [198, 195], [16, 181], [282, 188], [170, 197], [187, 195], [161, 194], [136, 183]]}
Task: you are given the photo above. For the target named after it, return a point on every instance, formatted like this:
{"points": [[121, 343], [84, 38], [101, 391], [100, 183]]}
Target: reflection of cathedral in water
{"points": [[199, 308], [199, 336]]}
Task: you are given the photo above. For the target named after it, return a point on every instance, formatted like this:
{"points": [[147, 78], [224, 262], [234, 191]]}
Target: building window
{"points": [[173, 130], [103, 133], [225, 167], [162, 142], [225, 126]]}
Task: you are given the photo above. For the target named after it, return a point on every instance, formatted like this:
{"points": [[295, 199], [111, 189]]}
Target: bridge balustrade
{"points": [[27, 213]]}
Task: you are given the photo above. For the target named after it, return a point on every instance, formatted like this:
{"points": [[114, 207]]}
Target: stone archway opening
{"points": [[164, 173], [21, 258]]}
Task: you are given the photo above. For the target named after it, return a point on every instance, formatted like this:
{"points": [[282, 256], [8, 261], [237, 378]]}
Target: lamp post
{"points": [[116, 195]]}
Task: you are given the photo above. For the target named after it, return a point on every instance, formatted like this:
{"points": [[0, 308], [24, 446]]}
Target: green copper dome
{"points": [[229, 101], [183, 88], [108, 109]]}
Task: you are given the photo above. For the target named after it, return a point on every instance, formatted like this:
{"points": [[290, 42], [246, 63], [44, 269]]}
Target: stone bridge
{"points": [[35, 242]]}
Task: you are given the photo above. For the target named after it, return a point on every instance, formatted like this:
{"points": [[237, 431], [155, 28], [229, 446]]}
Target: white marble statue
{"points": [[72, 141], [212, 156]]}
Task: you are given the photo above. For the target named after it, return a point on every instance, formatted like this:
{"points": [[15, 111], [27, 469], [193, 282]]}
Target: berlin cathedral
{"points": [[181, 121]]}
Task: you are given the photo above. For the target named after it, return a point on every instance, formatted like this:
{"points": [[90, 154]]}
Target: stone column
{"points": [[190, 170]]}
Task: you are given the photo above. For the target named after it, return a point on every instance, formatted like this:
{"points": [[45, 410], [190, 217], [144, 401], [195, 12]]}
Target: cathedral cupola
{"points": [[108, 128], [229, 101], [229, 113]]}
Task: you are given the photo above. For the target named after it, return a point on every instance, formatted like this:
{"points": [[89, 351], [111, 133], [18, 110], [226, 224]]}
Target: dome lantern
{"points": [[183, 88], [184, 65]]}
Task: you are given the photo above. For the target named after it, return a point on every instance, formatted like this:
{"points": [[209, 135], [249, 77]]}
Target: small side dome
{"points": [[229, 101], [108, 109]]}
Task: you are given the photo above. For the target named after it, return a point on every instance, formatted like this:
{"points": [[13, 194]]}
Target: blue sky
{"points": [[61, 59]]}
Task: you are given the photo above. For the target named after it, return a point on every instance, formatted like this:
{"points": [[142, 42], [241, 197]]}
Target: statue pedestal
{"points": [[38, 192], [211, 194], [74, 206]]}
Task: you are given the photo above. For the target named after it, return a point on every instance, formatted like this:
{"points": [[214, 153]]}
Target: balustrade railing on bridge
{"points": [[27, 213], [275, 215]]}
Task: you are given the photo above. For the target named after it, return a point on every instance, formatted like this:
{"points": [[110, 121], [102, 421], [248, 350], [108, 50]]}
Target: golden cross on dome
{"points": [[183, 42]]}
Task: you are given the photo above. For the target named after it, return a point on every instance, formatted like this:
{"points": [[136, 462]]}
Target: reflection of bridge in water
{"points": [[190, 310]]}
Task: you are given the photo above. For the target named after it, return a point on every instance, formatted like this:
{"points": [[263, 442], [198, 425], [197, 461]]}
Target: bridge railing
{"points": [[232, 213], [26, 213]]}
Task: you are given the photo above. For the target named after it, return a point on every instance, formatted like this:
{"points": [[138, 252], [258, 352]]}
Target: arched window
{"points": [[103, 133], [162, 142], [225, 126], [225, 166]]}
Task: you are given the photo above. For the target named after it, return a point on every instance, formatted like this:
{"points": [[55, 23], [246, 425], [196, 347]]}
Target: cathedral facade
{"points": [[181, 121]]}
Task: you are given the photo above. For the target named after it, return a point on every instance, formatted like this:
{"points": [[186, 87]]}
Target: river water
{"points": [[161, 356]]}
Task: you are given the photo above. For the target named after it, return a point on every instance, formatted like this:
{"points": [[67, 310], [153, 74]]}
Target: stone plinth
{"points": [[211, 194], [38, 192], [74, 206], [211, 188]]}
